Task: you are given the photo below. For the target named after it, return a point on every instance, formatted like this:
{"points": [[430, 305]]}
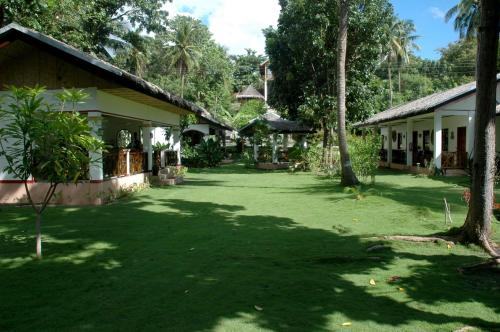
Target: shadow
{"points": [[149, 263]]}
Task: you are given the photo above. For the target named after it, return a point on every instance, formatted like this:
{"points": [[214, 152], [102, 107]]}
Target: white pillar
{"points": [[176, 135], [389, 145], [128, 161], [470, 134], [438, 144], [409, 142], [275, 147], [265, 83], [96, 163], [255, 150], [285, 142], [147, 140], [162, 158], [303, 142]]}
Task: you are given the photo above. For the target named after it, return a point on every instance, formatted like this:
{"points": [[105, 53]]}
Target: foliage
{"points": [[365, 157], [241, 116], [48, 144], [93, 26], [247, 70], [210, 152], [467, 17], [302, 52]]}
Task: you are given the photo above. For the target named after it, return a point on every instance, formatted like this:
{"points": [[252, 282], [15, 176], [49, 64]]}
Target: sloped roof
{"points": [[14, 31], [421, 106], [276, 124], [249, 93]]}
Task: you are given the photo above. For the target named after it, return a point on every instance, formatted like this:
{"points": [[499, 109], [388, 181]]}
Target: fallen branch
{"points": [[435, 239], [490, 265]]}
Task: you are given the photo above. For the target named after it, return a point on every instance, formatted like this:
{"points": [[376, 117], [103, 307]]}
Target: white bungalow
{"points": [[438, 128], [128, 113]]}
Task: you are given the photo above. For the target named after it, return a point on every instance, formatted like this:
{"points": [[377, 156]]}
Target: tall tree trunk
{"points": [[389, 73], [348, 176], [326, 135], [477, 227], [399, 79], [38, 231], [183, 77]]}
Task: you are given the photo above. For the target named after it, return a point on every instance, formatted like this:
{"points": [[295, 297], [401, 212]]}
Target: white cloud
{"points": [[437, 13], [236, 24]]}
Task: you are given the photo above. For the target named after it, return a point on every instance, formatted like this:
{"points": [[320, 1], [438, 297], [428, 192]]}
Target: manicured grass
{"points": [[242, 250]]}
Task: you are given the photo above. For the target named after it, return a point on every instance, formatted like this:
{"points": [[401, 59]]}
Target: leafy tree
{"points": [[87, 25], [247, 70], [41, 142], [348, 176], [302, 52], [365, 156], [243, 115], [466, 14]]}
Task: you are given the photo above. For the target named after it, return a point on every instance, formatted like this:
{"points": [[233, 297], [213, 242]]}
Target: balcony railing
{"points": [[123, 162]]}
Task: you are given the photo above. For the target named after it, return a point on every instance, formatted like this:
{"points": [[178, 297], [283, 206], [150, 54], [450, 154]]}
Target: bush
{"points": [[210, 152], [364, 152]]}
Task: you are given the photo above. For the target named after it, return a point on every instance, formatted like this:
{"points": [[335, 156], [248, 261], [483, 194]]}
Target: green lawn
{"points": [[241, 250]]}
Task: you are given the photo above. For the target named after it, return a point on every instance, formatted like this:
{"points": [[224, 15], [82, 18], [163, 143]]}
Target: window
{"points": [[444, 138]]}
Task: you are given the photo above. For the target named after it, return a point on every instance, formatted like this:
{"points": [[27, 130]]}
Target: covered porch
{"points": [[134, 146], [442, 139]]}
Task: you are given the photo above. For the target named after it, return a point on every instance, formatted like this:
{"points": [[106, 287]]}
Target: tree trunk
{"points": [[389, 73], [38, 230], [477, 227], [348, 176], [182, 85], [399, 79], [326, 134]]}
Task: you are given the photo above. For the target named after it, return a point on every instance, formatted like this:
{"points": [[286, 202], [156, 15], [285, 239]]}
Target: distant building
{"points": [[249, 93]]}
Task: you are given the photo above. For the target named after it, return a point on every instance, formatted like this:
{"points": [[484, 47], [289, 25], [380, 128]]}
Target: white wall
{"points": [[112, 104]]}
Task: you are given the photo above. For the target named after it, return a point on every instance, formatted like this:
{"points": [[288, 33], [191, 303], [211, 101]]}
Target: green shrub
{"points": [[210, 153], [364, 152]]}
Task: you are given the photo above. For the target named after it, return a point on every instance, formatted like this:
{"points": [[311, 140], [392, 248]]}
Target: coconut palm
{"points": [[401, 44], [467, 17], [405, 38], [348, 176], [184, 52]]}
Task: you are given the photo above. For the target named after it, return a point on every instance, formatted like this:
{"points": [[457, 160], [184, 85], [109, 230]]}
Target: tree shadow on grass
{"points": [[189, 266]]}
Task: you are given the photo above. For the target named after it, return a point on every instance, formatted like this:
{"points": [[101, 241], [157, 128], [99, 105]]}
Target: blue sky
{"points": [[238, 29], [428, 16]]}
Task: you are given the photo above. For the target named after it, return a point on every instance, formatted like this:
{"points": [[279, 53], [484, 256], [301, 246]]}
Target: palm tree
{"points": [[406, 41], [467, 17], [401, 44], [348, 176], [184, 52]]}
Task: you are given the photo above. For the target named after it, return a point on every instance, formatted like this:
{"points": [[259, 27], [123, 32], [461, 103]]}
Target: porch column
{"points": [[470, 134], [389, 145], [162, 158], [255, 150], [409, 142], [96, 163], [285, 142], [147, 140], [303, 142], [438, 144], [275, 148], [176, 135], [128, 161]]}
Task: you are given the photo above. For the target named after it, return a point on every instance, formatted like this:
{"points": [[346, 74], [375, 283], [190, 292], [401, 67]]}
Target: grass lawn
{"points": [[242, 250]]}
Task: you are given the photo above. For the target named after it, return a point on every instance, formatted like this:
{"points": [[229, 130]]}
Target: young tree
{"points": [[38, 141], [348, 176], [477, 227]]}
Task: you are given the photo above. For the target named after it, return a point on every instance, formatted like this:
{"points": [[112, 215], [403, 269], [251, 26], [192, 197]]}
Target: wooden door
{"points": [[461, 147]]}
